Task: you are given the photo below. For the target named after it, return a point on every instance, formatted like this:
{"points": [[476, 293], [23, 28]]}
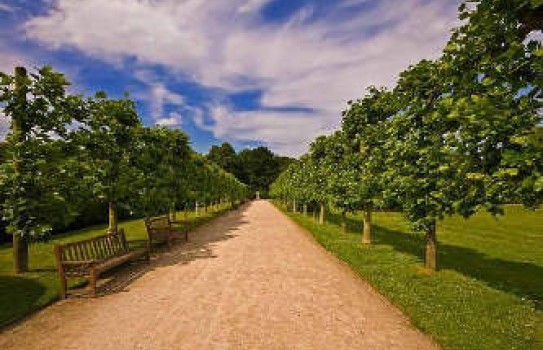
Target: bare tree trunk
{"points": [[344, 221], [20, 254], [173, 213], [196, 209], [305, 209], [113, 222], [20, 243], [294, 209], [430, 257], [366, 234], [321, 216]]}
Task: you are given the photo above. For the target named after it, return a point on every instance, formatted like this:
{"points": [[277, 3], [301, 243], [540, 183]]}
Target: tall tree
{"points": [[365, 122], [108, 145], [39, 112]]}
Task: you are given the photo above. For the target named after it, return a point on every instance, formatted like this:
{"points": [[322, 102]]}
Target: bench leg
{"points": [[93, 279], [63, 287], [150, 247]]}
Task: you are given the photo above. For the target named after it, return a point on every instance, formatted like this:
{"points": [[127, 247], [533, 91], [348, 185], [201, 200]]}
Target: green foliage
{"points": [[35, 178], [454, 136], [257, 167], [66, 154]]}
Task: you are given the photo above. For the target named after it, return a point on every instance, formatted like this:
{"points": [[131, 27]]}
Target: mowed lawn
{"points": [[488, 292], [21, 294]]}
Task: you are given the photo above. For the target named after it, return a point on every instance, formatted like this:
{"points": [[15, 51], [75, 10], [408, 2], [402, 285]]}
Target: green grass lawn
{"points": [[488, 292], [22, 294]]}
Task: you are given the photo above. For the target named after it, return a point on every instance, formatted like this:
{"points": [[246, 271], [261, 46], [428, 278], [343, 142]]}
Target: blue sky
{"points": [[250, 72]]}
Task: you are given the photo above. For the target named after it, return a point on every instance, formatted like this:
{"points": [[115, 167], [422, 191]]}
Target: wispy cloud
{"points": [[307, 61]]}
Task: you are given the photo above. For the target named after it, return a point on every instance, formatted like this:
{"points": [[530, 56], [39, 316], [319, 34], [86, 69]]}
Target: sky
{"points": [[275, 73]]}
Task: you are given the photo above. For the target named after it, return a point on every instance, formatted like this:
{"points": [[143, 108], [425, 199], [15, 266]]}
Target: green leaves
{"points": [[65, 152]]}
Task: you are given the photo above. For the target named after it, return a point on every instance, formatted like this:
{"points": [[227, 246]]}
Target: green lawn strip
{"points": [[488, 292], [22, 294]]}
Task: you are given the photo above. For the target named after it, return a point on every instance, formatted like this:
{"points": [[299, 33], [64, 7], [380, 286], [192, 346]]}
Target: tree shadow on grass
{"points": [[18, 293], [200, 246], [520, 278]]}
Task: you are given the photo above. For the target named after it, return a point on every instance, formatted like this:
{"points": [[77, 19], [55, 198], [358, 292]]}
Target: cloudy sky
{"points": [[250, 72]]}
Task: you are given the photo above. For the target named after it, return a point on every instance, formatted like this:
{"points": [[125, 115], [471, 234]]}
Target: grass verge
{"points": [[24, 293], [488, 292]]}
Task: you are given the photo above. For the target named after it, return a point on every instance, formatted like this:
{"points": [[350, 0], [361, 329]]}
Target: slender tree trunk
{"points": [[430, 257], [20, 254], [322, 213], [344, 221], [173, 214], [366, 233], [294, 209], [113, 222], [305, 209], [20, 243], [196, 209]]}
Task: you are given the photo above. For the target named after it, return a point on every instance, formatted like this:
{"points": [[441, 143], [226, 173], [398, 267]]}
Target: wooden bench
{"points": [[162, 229], [90, 257]]}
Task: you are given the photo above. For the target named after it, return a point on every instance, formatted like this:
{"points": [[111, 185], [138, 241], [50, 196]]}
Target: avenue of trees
{"points": [[67, 154], [257, 168], [456, 135]]}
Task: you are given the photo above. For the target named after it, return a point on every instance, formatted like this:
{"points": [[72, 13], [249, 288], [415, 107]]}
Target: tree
{"points": [[225, 157], [108, 144], [33, 179], [365, 122]]}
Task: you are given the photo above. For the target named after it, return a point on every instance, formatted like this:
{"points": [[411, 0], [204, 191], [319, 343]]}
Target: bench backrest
{"points": [[96, 248], [160, 223]]}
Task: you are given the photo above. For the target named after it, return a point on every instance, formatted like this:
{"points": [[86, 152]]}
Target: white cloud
{"points": [[252, 5], [6, 7], [174, 119], [317, 64]]}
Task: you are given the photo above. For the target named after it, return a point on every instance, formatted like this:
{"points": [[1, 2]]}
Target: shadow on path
{"points": [[199, 246]]}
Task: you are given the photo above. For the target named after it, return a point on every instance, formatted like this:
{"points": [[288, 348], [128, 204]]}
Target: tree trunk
{"points": [[294, 209], [113, 223], [366, 234], [186, 212], [430, 258], [20, 243], [20, 254], [321, 216], [305, 209], [173, 213], [314, 213], [344, 221], [196, 209]]}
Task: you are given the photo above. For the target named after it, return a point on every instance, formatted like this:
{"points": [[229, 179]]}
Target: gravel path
{"points": [[249, 280]]}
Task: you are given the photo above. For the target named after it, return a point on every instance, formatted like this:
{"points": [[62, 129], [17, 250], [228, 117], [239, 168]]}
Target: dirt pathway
{"points": [[249, 280]]}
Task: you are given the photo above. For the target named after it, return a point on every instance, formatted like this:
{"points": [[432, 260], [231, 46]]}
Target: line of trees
{"points": [[257, 167], [65, 153], [455, 135]]}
